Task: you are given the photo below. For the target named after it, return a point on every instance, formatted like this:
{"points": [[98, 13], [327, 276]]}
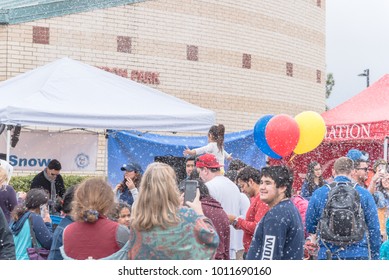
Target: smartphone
{"points": [[190, 190], [382, 168], [44, 210]]}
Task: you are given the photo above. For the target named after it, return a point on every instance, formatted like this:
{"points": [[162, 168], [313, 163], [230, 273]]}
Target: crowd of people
{"points": [[241, 213]]}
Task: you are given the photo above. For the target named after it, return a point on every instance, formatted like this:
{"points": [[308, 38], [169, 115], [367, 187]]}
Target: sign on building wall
{"points": [[34, 150]]}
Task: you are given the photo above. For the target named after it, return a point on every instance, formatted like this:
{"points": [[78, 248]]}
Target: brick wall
{"points": [[154, 36]]}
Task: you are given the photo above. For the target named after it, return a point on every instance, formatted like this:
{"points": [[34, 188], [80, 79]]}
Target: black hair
{"points": [[34, 199], [217, 133], [236, 164], [190, 158], [281, 175], [310, 177], [231, 174], [65, 204], [248, 173], [54, 164]]}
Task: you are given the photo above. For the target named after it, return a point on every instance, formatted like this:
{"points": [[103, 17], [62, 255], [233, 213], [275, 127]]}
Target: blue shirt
{"points": [[125, 196], [305, 191], [357, 250], [55, 253], [279, 235]]}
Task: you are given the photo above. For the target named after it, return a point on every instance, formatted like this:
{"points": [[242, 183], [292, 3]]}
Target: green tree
{"points": [[330, 83]]}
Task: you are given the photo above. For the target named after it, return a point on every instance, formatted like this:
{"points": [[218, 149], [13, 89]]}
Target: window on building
{"points": [[318, 76], [318, 3], [289, 69], [192, 53], [40, 35], [124, 44], [246, 61]]}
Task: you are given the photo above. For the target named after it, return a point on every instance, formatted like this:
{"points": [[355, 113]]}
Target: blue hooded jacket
{"points": [[22, 235], [357, 250]]}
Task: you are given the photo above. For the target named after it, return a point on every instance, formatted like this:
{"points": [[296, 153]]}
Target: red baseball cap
{"points": [[207, 160]]}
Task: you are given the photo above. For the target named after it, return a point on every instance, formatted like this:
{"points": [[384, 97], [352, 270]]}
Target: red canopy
{"points": [[360, 123], [365, 116]]}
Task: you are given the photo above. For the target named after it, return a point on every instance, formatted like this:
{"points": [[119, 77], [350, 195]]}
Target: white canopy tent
{"points": [[70, 94]]}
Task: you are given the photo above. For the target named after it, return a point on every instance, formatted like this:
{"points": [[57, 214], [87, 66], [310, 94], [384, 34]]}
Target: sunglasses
{"points": [[362, 168]]}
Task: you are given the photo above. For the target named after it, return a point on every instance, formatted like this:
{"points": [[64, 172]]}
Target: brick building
{"points": [[241, 59]]}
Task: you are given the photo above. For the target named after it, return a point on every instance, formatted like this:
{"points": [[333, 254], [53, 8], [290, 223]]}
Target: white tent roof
{"points": [[71, 94]]}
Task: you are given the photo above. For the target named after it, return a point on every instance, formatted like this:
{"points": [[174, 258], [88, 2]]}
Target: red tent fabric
{"points": [[365, 116], [361, 123]]}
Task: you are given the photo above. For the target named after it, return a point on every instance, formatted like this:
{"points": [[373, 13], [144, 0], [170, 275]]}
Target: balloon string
{"points": [[294, 155]]}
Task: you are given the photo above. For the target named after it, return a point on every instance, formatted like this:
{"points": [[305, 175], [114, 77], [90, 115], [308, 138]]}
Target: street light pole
{"points": [[366, 74]]}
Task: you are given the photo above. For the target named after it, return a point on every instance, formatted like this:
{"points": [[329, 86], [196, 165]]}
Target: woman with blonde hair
{"points": [[93, 235], [161, 228]]}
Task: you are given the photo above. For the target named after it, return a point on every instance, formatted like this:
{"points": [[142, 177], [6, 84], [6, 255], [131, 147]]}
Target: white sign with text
{"points": [[34, 150]]}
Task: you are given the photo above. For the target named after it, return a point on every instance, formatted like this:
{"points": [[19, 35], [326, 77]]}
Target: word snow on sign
{"points": [[75, 151]]}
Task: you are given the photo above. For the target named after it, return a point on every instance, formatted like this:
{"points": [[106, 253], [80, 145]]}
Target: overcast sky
{"points": [[357, 39]]}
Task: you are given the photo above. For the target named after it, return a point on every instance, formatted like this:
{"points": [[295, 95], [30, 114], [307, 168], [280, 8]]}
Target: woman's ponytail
{"points": [[220, 137]]}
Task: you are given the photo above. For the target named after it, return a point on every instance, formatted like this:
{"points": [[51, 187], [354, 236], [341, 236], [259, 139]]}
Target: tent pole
{"points": [[386, 148], [8, 144]]}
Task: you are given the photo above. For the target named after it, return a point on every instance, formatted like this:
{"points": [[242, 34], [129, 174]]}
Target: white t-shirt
{"points": [[212, 148], [227, 193]]}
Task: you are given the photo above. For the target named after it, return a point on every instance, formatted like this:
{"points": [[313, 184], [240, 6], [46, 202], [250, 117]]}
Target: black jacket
{"points": [[40, 181]]}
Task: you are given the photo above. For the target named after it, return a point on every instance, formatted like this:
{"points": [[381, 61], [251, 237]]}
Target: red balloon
{"points": [[282, 134]]}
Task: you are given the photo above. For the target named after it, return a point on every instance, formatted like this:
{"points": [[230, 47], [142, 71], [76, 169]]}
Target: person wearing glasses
{"points": [[50, 180], [368, 247], [361, 166]]}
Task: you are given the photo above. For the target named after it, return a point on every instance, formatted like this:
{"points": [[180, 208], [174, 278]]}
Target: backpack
{"points": [[342, 222]]}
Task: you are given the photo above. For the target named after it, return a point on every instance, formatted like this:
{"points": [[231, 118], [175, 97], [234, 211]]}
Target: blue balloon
{"points": [[260, 139]]}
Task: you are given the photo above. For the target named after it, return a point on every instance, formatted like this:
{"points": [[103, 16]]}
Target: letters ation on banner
{"points": [[352, 131]]}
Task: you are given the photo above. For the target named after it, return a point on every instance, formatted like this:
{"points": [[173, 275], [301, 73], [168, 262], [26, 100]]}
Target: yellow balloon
{"points": [[312, 131]]}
